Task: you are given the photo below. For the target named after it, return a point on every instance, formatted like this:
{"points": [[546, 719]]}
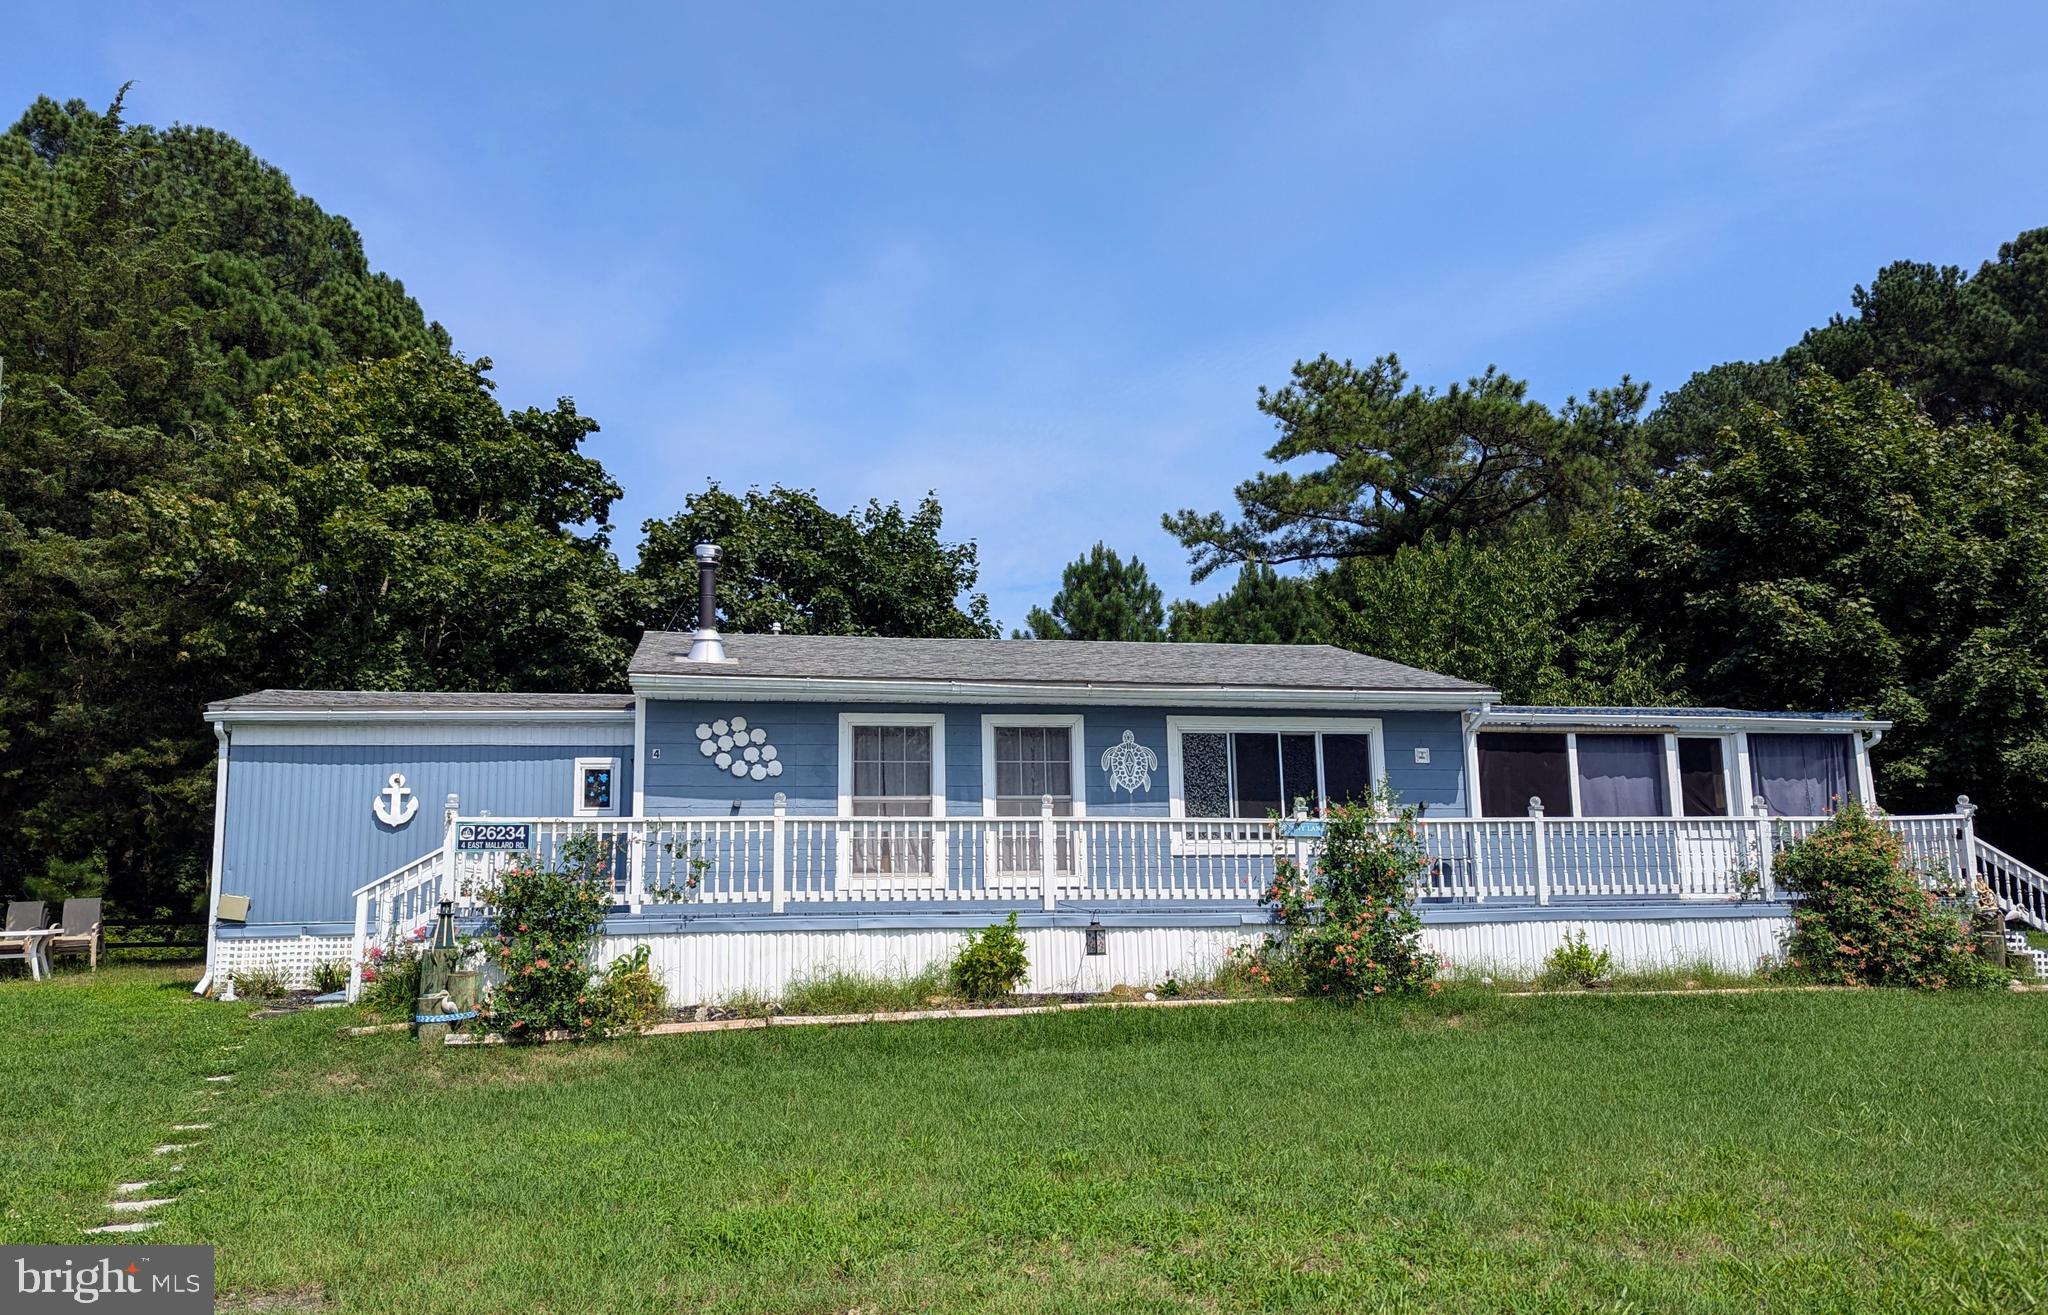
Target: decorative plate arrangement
{"points": [[733, 746]]}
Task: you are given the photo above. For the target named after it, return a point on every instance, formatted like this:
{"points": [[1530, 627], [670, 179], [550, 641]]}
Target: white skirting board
{"points": [[1518, 949], [700, 967], [710, 966]]}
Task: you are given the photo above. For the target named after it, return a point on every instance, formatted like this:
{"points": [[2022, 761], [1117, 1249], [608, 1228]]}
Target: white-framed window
{"points": [[1254, 767], [892, 768], [1024, 758], [596, 787]]}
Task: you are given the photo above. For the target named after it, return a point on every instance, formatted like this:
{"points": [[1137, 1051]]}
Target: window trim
{"points": [[934, 721], [935, 877], [1077, 738], [1176, 802], [576, 807]]}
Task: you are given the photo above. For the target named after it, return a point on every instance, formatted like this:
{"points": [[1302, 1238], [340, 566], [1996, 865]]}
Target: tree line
{"points": [[1859, 523], [233, 457]]}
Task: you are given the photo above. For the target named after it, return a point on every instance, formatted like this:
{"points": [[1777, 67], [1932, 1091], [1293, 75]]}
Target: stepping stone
{"points": [[131, 1207], [130, 1189], [171, 1147], [136, 1227], [190, 1127]]}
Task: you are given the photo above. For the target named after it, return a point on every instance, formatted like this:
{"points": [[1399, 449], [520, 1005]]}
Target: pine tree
{"points": [[1101, 597]]}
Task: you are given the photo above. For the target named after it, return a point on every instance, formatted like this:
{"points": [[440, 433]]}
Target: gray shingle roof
{"points": [[1046, 662], [345, 700]]}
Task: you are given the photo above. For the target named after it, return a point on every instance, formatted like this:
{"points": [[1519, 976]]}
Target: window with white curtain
{"points": [[1032, 762], [892, 771]]}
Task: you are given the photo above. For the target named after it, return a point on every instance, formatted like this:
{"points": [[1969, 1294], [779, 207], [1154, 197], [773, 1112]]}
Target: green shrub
{"points": [[546, 922], [1351, 929], [1577, 963], [1865, 918], [839, 992], [260, 984], [991, 963], [630, 998], [330, 976]]}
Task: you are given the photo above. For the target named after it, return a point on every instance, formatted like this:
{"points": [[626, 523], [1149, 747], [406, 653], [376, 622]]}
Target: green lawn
{"points": [[1847, 1152]]}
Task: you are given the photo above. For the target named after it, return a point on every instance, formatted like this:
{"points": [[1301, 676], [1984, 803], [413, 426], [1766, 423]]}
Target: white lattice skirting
{"points": [[291, 958]]}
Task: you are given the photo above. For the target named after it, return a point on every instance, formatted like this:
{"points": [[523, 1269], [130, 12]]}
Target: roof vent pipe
{"points": [[705, 645]]}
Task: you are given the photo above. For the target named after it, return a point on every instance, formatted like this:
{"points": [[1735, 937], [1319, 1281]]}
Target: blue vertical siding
{"points": [[682, 781], [301, 834]]}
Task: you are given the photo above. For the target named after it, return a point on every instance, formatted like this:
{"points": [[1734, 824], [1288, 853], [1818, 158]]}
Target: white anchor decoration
{"points": [[395, 804], [1130, 765]]}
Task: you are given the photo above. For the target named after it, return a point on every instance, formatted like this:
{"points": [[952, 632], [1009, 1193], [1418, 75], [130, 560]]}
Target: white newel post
{"points": [[1045, 853], [1966, 836], [362, 947], [450, 810], [636, 866], [778, 896], [1542, 844], [1300, 846], [1766, 882]]}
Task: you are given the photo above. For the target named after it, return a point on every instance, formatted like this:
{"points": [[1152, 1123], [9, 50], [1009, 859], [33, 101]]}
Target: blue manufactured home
{"points": [[776, 805]]}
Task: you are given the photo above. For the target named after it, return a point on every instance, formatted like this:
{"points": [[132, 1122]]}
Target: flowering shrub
{"points": [[1864, 917], [1351, 928], [546, 923], [991, 963], [391, 977]]}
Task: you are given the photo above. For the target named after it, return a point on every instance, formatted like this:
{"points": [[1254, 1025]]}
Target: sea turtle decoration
{"points": [[1130, 765]]}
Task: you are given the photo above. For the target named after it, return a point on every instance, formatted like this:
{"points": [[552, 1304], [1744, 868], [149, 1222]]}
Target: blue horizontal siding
{"points": [[301, 834], [682, 781]]}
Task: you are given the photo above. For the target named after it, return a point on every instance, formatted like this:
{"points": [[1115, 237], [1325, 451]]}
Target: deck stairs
{"points": [[2022, 891]]}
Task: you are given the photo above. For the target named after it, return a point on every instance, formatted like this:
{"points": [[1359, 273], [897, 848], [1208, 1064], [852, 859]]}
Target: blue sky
{"points": [[1040, 260]]}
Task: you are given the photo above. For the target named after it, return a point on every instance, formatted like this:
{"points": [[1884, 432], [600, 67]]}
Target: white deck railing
{"points": [[772, 862], [782, 859]]}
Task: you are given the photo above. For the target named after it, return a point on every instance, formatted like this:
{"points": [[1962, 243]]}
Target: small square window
{"points": [[597, 784]]}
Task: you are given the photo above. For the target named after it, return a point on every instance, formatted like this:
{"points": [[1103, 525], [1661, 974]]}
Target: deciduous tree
{"points": [[792, 563]]}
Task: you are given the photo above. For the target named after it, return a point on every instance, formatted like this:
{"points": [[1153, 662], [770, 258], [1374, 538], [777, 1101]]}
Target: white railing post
{"points": [[1966, 836], [778, 878], [636, 865], [362, 947], [450, 810], [1542, 849], [1766, 884], [1045, 854]]}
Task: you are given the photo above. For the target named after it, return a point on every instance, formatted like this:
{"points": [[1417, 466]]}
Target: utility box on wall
{"points": [[234, 908]]}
